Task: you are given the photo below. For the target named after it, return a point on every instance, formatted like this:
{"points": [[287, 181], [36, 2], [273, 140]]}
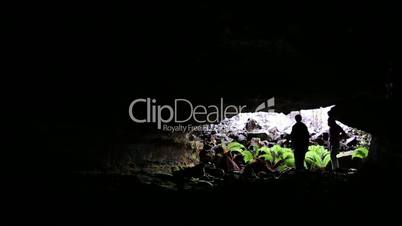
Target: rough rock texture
{"points": [[156, 155]]}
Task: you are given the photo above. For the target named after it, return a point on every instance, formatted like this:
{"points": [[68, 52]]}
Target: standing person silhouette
{"points": [[335, 134], [300, 140]]}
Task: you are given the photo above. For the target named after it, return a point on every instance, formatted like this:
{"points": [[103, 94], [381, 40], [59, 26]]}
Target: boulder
{"points": [[252, 125], [259, 135], [351, 142]]}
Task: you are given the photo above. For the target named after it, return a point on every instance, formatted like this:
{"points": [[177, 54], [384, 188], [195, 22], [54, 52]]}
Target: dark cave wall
{"points": [[379, 115], [153, 153], [245, 53]]}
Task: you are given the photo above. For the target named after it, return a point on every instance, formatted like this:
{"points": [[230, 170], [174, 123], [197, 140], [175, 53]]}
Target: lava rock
{"points": [[273, 134], [260, 135], [255, 141], [215, 172], [241, 139], [351, 142], [207, 156], [251, 125]]}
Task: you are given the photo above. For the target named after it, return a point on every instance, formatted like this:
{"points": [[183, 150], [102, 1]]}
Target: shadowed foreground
{"points": [[309, 198]]}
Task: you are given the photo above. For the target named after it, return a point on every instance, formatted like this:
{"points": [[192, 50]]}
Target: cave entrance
{"points": [[248, 138]]}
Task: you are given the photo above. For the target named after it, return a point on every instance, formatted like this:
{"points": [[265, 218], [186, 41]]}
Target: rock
{"points": [[207, 156], [320, 138], [198, 185], [205, 184], [217, 138], [351, 142], [265, 143], [208, 146], [260, 135], [275, 128], [264, 175], [255, 141], [282, 143], [241, 139], [215, 172], [252, 125], [273, 134], [217, 149]]}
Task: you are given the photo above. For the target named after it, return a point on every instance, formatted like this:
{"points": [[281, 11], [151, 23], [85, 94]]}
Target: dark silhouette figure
{"points": [[335, 134], [300, 140]]}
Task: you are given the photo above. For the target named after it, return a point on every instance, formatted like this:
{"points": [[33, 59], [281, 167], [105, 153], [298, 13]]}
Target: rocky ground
{"points": [[275, 128], [309, 198]]}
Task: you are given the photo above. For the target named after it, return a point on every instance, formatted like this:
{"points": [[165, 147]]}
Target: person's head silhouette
{"points": [[298, 118]]}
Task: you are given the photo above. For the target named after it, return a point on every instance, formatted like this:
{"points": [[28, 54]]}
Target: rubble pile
{"points": [[260, 129], [274, 128]]}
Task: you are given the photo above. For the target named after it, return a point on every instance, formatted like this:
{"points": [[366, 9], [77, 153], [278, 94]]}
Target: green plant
{"points": [[239, 148], [277, 157], [317, 157], [234, 147], [360, 152]]}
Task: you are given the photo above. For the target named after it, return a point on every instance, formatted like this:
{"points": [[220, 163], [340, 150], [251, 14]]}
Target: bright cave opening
{"points": [[259, 144]]}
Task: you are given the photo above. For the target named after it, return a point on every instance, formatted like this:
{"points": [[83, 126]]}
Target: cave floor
{"points": [[310, 198]]}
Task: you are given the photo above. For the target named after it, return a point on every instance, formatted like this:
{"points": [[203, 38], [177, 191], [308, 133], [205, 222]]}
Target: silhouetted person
{"points": [[335, 134], [300, 140]]}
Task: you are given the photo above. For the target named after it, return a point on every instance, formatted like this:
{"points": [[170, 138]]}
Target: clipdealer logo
{"points": [[163, 114]]}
